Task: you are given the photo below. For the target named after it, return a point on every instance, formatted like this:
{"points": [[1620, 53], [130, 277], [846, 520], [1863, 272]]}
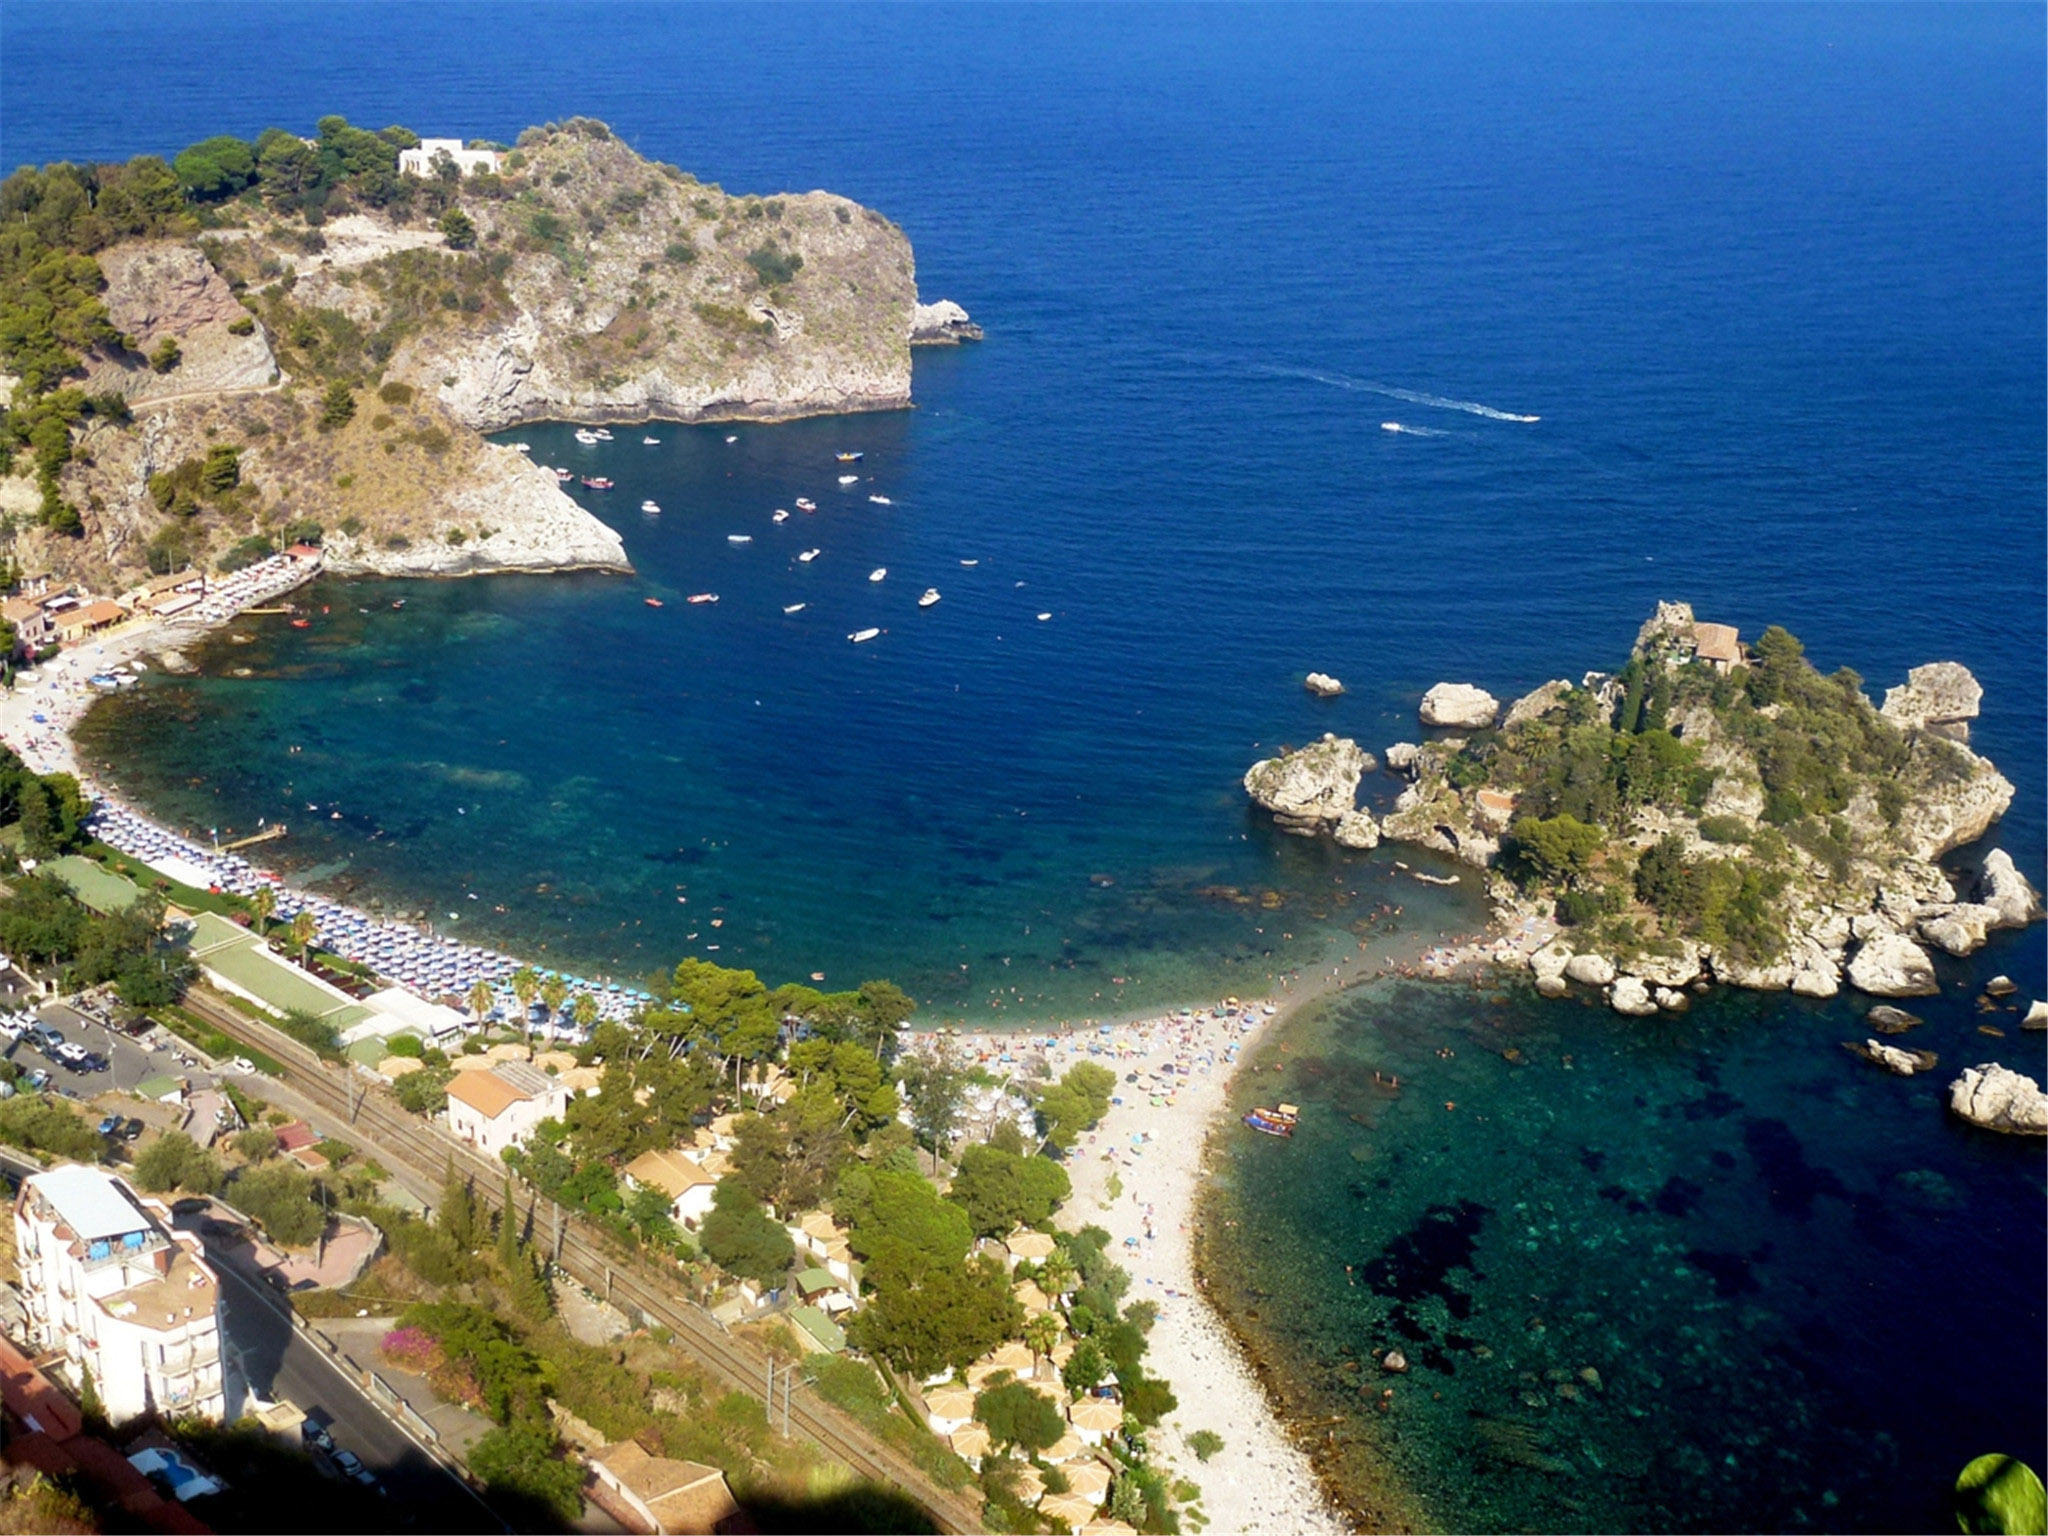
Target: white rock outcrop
{"points": [[1460, 706], [1401, 756], [1631, 995], [2013, 902], [1816, 972], [2000, 1099], [1536, 703], [1590, 970], [1356, 829], [944, 324], [1322, 685], [1313, 789], [1942, 693], [1888, 964], [1890, 1057]]}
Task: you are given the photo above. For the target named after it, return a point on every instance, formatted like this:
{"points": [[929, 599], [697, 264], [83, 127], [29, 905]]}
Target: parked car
{"points": [[47, 1037], [130, 1128], [93, 1061], [316, 1437], [349, 1463], [72, 1055], [37, 1080], [111, 1126]]}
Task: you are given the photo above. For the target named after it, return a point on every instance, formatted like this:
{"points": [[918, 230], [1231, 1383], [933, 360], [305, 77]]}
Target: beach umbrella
{"points": [[1068, 1508]]}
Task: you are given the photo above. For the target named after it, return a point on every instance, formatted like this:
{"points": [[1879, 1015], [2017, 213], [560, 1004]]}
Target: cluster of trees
{"points": [[49, 807], [40, 920], [286, 1200]]}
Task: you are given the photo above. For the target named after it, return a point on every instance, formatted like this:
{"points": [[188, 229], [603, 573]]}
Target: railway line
{"points": [[581, 1251]]}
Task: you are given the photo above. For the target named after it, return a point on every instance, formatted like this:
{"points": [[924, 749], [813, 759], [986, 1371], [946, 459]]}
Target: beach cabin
{"points": [[664, 1495], [689, 1188], [499, 1107], [420, 160]]}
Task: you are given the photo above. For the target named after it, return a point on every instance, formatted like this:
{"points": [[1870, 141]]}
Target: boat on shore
{"points": [[931, 595], [1281, 1120], [703, 597], [878, 573], [862, 636]]}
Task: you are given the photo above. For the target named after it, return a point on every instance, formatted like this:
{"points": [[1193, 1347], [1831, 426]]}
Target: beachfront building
{"points": [[498, 1106], [89, 619], [130, 1304], [689, 1186], [420, 161], [667, 1496]]}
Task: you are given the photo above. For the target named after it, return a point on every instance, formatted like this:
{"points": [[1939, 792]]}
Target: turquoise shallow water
{"points": [[1771, 279]]}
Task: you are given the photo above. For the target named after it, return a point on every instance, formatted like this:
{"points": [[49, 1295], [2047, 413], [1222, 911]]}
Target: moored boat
{"points": [[739, 538], [601, 434], [596, 483], [565, 474], [881, 501], [849, 458], [651, 442], [849, 479], [805, 504], [794, 607], [781, 515], [970, 562], [931, 595], [878, 573], [809, 555], [585, 436], [650, 506], [703, 597], [652, 602], [860, 636], [1281, 1120]]}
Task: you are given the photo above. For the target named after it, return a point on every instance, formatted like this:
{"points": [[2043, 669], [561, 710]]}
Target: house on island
{"points": [[689, 1187], [420, 161], [1718, 645], [498, 1107], [666, 1496]]}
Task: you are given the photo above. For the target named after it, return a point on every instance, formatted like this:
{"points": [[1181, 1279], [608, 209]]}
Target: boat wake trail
{"points": [[1411, 396], [1407, 431]]}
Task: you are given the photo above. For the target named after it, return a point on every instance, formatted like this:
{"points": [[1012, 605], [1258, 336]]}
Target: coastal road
{"points": [[400, 1140], [283, 1364]]}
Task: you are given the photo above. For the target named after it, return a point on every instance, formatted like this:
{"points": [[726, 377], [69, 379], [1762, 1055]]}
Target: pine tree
{"points": [[458, 1209]]}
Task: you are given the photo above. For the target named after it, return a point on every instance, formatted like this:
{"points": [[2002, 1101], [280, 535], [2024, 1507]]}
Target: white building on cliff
{"points": [[130, 1303], [420, 161]]}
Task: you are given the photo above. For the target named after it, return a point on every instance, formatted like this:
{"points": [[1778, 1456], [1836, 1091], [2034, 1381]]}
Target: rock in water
{"points": [[1905, 1063], [1322, 685], [2037, 1016], [1401, 756], [1459, 705], [2001, 986], [944, 324], [1590, 970], [1394, 1362], [1941, 694], [1357, 829], [1887, 1020], [1892, 965], [2000, 1099], [1312, 789], [1631, 995], [2003, 889]]}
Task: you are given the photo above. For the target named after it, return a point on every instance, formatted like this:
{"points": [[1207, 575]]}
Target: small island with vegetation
{"points": [[1712, 811]]}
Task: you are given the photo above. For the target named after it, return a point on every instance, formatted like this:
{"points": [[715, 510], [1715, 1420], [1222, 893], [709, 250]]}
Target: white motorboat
{"points": [[585, 436], [931, 595], [1043, 617], [805, 504], [781, 515], [881, 501], [878, 573], [651, 507], [702, 597], [860, 635], [970, 562], [794, 607], [601, 434], [651, 442], [849, 479], [739, 538], [522, 447], [809, 555], [732, 437]]}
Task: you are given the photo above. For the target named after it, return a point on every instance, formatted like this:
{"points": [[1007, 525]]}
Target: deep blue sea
{"points": [[1769, 279]]}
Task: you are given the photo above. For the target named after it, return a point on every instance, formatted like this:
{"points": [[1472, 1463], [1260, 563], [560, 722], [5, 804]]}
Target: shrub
{"points": [[174, 1161], [1724, 829], [242, 325], [1205, 1443], [680, 253], [337, 406], [166, 356], [773, 267], [282, 1196]]}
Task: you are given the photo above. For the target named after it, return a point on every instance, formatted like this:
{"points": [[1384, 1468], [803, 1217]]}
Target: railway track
{"points": [[581, 1251]]}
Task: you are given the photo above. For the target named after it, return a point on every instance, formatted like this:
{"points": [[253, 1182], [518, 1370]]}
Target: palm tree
{"points": [[480, 999], [1057, 1274], [525, 987], [554, 992], [584, 1011], [304, 924], [1041, 1333], [262, 904]]}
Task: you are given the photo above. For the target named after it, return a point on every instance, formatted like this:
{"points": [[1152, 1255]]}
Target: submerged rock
{"points": [[1891, 1057], [1889, 964], [1459, 705], [2000, 986], [1887, 1020], [2000, 1099]]}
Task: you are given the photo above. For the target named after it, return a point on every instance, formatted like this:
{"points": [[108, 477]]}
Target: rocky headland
{"points": [[1710, 813], [353, 349]]}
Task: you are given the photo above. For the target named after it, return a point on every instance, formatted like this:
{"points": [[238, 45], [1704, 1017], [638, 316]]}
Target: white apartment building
{"points": [[128, 1302], [420, 161]]}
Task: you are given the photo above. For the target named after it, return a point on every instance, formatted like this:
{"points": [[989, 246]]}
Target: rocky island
{"points": [[1711, 812], [302, 339]]}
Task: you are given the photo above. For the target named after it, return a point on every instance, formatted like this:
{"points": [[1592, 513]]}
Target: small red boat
{"points": [[1280, 1120], [301, 623]]}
